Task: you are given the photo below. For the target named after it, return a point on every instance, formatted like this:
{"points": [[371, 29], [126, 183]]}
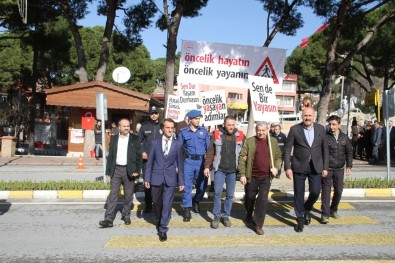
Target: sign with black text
{"points": [[263, 99]]}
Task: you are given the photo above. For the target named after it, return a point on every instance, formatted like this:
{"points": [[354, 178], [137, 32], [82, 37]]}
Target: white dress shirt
{"points": [[122, 149]]}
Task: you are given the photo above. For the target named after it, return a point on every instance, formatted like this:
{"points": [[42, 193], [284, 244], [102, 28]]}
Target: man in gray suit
{"points": [[310, 161]]}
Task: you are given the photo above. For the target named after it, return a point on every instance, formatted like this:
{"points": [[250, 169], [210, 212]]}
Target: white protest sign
{"points": [[263, 99], [214, 109], [229, 65], [174, 110], [188, 92]]}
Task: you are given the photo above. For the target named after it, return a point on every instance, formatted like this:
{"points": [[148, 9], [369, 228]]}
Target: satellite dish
{"points": [[121, 75]]}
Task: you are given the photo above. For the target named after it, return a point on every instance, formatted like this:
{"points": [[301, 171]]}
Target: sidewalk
{"points": [[280, 189]]}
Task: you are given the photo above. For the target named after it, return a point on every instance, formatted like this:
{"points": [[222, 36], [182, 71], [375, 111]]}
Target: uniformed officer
{"points": [[148, 132], [196, 140]]}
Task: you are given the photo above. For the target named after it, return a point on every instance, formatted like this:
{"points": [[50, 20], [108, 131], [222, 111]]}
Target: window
{"points": [[287, 86], [285, 101], [236, 96]]}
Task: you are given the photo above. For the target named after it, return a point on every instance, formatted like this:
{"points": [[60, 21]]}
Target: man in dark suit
{"points": [[164, 173], [123, 165], [310, 161]]}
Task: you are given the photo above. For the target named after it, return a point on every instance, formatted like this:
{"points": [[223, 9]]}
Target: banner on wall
{"points": [[263, 99], [229, 65], [214, 109], [77, 136]]}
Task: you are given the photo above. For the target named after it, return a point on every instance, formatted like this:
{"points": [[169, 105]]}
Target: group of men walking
{"points": [[171, 161]]}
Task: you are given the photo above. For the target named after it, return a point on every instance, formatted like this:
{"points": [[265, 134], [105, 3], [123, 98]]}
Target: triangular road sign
{"points": [[266, 70]]}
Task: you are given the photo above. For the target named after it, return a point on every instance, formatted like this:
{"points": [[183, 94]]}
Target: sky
{"points": [[240, 22]]}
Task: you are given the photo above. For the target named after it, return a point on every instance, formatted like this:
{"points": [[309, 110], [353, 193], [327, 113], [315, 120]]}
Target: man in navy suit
{"points": [[310, 161], [164, 173]]}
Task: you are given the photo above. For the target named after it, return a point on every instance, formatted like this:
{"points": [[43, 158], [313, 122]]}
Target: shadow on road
{"points": [[4, 206], [10, 161]]}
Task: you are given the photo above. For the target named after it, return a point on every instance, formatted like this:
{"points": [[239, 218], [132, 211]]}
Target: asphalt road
{"points": [[89, 173], [69, 232]]}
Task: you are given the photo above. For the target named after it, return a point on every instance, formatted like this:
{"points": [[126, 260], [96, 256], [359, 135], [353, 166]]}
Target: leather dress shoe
{"points": [[105, 223], [126, 220], [324, 219], [299, 227], [258, 230], [195, 207], [307, 218], [162, 236], [187, 214]]}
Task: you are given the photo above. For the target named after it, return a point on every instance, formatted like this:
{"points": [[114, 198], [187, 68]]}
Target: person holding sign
{"points": [[196, 140], [223, 155], [310, 161], [260, 159]]}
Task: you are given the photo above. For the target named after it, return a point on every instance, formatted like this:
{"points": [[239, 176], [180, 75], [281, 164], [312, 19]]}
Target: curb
{"points": [[102, 194]]}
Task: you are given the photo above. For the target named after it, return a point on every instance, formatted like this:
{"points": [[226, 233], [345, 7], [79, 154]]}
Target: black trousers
{"points": [[119, 178], [335, 177], [147, 192], [257, 204], [314, 180]]}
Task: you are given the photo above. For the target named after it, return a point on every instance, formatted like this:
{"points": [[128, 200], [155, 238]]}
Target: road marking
{"points": [[102, 202], [282, 220], [378, 192], [238, 206], [252, 240]]}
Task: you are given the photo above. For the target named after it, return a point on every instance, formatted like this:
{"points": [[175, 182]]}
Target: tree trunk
{"points": [[81, 71], [330, 70], [32, 104], [172, 32], [105, 51]]}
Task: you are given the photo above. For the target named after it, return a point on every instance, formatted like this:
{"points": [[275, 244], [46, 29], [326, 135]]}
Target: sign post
{"points": [[101, 112]]}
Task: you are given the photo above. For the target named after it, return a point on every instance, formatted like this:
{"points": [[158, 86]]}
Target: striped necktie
{"points": [[166, 149]]}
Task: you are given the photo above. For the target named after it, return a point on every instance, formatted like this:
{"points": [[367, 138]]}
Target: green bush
{"points": [[369, 183], [100, 185], [53, 185]]}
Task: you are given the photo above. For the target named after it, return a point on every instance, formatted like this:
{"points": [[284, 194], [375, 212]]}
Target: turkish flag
{"points": [[305, 42], [88, 119]]}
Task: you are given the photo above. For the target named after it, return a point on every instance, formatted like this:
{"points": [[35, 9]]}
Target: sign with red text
{"points": [[214, 109], [189, 92], [229, 65], [174, 109], [263, 99]]}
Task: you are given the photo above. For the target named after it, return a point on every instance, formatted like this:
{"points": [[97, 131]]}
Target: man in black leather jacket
{"points": [[340, 154]]}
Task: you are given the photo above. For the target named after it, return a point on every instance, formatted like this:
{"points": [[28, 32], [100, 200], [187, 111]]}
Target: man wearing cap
{"points": [[196, 140], [148, 132]]}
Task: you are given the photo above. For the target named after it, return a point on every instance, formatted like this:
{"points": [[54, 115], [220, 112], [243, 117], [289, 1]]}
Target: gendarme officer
{"points": [[196, 140]]}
